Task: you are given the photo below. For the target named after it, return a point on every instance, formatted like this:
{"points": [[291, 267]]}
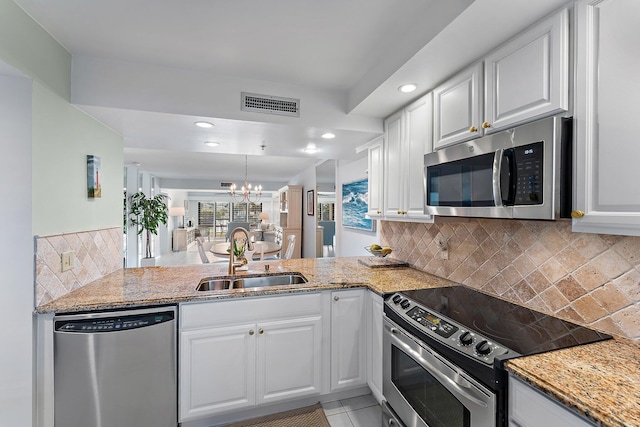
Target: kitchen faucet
{"points": [[232, 267]]}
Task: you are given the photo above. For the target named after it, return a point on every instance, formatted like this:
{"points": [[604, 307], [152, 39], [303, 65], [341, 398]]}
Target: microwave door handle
{"points": [[497, 171]]}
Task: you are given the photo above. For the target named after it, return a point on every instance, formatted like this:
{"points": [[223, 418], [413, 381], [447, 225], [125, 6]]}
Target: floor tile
{"points": [[366, 417], [332, 408], [339, 420], [359, 402]]}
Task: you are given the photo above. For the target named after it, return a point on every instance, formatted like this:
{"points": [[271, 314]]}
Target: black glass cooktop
{"points": [[518, 328]]}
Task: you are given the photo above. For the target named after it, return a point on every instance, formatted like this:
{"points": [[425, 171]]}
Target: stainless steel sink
{"points": [[217, 284]]}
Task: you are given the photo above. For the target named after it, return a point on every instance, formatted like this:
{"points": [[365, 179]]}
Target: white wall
{"points": [[307, 179], [16, 252], [349, 241]]}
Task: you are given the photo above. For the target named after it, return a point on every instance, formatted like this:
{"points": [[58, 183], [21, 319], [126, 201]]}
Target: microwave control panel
{"points": [[529, 160]]}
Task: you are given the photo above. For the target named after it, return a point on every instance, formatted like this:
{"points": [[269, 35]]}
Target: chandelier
{"points": [[246, 194]]}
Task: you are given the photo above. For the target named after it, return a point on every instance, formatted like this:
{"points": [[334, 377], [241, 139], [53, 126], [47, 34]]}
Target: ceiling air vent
{"points": [[225, 185], [270, 104]]}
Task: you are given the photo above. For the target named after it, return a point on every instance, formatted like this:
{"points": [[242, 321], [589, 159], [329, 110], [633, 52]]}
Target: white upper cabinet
{"points": [[375, 176], [607, 194], [529, 76], [524, 79], [457, 108], [408, 138]]}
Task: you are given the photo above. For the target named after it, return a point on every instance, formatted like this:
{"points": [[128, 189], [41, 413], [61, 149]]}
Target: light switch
{"points": [[68, 260]]}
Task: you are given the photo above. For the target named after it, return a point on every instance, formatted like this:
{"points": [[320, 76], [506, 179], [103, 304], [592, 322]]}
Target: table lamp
{"points": [[177, 211], [264, 216]]}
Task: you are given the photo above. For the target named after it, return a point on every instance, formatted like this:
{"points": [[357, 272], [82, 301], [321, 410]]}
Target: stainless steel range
{"points": [[444, 352]]}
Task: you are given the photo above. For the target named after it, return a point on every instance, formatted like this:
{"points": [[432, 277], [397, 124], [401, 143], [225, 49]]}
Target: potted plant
{"points": [[148, 213]]}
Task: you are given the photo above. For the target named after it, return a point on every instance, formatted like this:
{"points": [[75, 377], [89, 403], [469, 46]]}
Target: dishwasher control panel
{"points": [[109, 324]]}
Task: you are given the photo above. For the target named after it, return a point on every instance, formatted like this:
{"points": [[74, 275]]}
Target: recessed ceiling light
{"points": [[409, 87], [328, 135], [311, 148], [204, 124], [211, 143]]}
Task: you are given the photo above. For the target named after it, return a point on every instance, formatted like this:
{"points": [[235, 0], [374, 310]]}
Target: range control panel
{"points": [[445, 330]]}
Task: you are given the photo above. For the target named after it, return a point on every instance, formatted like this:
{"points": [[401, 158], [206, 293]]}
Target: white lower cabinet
{"points": [[217, 370], [240, 353], [289, 359], [348, 339], [374, 344], [530, 408]]}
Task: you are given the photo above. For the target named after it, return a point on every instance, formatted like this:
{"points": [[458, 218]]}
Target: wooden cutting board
{"points": [[378, 262]]}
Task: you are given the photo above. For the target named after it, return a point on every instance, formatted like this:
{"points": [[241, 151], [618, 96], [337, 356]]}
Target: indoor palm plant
{"points": [[148, 213]]}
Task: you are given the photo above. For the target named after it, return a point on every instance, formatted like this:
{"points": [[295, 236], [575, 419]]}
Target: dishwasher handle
{"points": [[126, 322]]}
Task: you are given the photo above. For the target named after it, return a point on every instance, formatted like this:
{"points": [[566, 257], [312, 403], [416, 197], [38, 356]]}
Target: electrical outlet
{"points": [[68, 260]]}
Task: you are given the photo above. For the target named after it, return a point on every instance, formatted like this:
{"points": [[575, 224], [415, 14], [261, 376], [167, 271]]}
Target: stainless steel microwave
{"points": [[524, 173]]}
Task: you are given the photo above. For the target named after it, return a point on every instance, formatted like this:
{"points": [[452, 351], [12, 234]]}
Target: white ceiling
{"points": [[343, 58]]}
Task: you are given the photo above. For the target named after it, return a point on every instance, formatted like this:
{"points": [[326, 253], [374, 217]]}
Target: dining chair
{"points": [[234, 224], [203, 254], [291, 244]]}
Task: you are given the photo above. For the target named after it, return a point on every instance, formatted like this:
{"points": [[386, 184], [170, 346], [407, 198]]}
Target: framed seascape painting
{"points": [[355, 205]]}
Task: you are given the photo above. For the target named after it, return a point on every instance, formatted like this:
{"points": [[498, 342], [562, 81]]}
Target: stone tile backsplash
{"points": [[590, 279], [97, 253]]}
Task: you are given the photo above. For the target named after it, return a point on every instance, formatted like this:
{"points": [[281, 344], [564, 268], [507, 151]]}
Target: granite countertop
{"points": [[134, 287], [600, 380]]}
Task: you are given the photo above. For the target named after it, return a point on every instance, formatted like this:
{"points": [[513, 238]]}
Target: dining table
{"points": [[260, 247]]}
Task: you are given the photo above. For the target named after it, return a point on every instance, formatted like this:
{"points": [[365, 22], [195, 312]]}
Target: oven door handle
{"points": [[433, 370]]}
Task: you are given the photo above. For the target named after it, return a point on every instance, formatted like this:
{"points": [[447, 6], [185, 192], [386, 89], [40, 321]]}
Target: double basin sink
{"points": [[220, 284]]}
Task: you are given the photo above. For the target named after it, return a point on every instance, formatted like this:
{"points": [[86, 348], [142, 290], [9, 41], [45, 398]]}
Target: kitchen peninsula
{"points": [[600, 381]]}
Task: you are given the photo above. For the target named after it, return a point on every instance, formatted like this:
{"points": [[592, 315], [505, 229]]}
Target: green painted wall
{"points": [[29, 48], [62, 135]]}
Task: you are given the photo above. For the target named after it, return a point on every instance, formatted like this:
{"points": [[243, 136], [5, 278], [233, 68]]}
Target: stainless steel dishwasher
{"points": [[116, 369]]}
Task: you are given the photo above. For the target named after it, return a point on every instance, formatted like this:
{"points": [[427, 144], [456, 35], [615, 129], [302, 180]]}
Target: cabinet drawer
{"points": [[232, 311]]}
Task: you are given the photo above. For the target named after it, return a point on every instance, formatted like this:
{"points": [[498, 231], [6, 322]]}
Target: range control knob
{"points": [[466, 338], [483, 348], [405, 303], [396, 299]]}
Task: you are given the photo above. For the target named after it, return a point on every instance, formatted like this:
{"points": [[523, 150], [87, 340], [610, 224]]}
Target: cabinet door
{"points": [[289, 359], [528, 77], [607, 196], [393, 173], [217, 370], [457, 106], [374, 344], [348, 362], [417, 142], [375, 171], [530, 408]]}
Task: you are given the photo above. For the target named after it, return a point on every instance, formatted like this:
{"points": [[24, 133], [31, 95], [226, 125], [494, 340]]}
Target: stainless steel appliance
{"points": [[444, 350], [524, 172], [116, 369]]}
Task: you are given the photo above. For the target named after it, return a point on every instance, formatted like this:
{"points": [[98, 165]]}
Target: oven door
{"points": [[424, 389]]}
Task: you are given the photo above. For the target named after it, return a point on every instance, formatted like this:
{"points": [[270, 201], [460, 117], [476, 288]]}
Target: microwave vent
{"points": [[270, 104]]}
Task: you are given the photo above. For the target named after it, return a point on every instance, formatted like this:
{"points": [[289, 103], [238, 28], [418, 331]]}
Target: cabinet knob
{"points": [[399, 212], [577, 214], [379, 212], [336, 298], [251, 332], [261, 331], [473, 129], [486, 125]]}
